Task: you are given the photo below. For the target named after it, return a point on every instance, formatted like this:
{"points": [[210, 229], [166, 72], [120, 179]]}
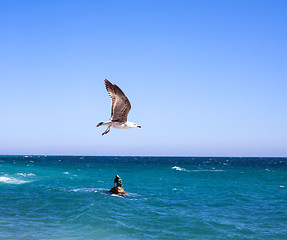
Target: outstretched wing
{"points": [[120, 103]]}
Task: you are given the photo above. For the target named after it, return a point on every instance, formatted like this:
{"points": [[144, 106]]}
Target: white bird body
{"points": [[120, 125], [119, 110]]}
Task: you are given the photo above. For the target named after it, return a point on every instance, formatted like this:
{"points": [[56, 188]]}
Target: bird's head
{"points": [[133, 125]]}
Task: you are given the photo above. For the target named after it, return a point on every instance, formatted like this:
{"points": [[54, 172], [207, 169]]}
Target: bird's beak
{"points": [[139, 126]]}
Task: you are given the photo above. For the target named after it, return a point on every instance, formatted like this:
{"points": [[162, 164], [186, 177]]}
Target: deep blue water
{"points": [[57, 197]]}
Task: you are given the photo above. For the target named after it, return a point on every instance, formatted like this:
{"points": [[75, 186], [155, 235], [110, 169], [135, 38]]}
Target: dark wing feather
{"points": [[120, 103], [111, 92]]}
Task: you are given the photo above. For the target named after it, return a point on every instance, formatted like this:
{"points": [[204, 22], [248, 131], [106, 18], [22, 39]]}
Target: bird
{"points": [[120, 108]]}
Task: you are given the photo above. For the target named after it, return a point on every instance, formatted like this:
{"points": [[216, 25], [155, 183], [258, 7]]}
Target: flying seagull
{"points": [[120, 109]]}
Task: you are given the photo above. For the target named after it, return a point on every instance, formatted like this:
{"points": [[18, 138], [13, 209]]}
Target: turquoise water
{"points": [[58, 197]]}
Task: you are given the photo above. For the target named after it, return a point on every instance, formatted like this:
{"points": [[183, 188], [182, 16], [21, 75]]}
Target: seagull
{"points": [[119, 110]]}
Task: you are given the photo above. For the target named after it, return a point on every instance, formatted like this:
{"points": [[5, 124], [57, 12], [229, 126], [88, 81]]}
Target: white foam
{"points": [[179, 168], [65, 172], [26, 174], [89, 190], [11, 180], [197, 170], [116, 195]]}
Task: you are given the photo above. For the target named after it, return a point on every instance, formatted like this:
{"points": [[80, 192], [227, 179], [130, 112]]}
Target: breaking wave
{"points": [[12, 180], [179, 169], [26, 174], [196, 170]]}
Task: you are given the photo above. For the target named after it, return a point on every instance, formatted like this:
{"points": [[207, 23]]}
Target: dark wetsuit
{"points": [[118, 181]]}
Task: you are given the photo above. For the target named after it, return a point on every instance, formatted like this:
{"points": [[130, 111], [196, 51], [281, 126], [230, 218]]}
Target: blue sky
{"points": [[205, 78]]}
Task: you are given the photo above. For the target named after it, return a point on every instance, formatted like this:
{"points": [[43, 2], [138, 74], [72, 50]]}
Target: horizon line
{"points": [[167, 156]]}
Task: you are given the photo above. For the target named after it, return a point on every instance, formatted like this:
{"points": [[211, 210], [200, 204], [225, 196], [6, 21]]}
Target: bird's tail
{"points": [[99, 124]]}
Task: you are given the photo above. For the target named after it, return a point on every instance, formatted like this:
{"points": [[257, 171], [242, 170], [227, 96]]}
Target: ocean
{"points": [[66, 197]]}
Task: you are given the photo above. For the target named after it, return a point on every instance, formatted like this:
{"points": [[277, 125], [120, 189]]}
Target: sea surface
{"points": [[66, 197]]}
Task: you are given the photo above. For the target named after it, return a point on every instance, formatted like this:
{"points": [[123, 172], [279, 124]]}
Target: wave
{"points": [[196, 170], [12, 180], [179, 169], [26, 174], [105, 191], [90, 190]]}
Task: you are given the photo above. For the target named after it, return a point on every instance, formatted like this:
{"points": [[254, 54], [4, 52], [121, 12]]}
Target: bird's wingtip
{"points": [[107, 81]]}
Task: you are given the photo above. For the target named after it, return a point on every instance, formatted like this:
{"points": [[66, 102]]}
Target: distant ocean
{"points": [[60, 197]]}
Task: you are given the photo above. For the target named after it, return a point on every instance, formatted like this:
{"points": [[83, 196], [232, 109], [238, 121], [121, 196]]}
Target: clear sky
{"points": [[205, 78]]}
